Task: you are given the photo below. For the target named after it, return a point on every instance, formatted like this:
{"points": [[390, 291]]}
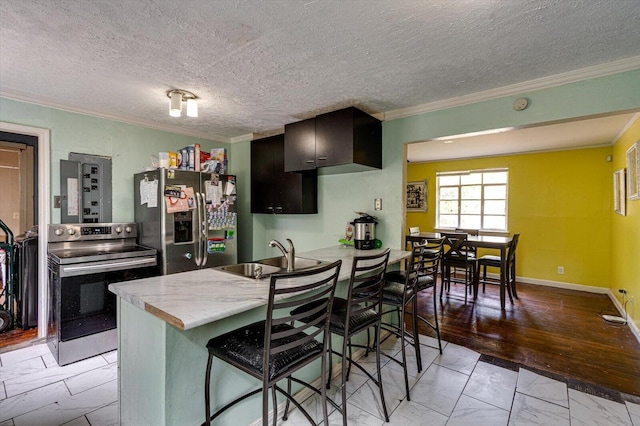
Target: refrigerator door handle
{"points": [[199, 230], [203, 201]]}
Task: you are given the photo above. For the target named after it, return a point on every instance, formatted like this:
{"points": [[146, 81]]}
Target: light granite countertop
{"points": [[190, 299]]}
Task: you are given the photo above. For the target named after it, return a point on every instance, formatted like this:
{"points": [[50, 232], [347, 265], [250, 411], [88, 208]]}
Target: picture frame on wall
{"points": [[633, 172], [619, 192], [417, 196]]}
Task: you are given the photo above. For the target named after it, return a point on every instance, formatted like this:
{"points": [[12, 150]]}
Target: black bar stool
{"points": [[274, 349], [361, 311], [401, 289]]}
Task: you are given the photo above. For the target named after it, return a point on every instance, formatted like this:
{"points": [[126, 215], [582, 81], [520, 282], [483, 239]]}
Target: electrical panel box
{"points": [[85, 189]]}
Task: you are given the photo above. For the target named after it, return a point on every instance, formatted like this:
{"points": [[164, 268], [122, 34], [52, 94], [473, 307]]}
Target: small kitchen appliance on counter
{"points": [[364, 235]]}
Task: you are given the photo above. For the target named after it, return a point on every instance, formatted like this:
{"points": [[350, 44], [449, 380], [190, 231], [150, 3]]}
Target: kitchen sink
{"points": [[298, 262], [251, 269], [267, 267]]}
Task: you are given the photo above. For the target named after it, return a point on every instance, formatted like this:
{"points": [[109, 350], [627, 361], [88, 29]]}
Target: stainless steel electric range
{"points": [[83, 260]]}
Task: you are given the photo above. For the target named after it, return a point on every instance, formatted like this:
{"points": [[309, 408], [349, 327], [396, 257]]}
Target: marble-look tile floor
{"points": [[455, 388]]}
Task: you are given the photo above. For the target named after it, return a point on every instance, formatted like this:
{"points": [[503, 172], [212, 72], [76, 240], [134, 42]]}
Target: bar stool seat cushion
{"points": [[393, 293], [244, 348], [424, 281], [338, 314], [490, 260]]}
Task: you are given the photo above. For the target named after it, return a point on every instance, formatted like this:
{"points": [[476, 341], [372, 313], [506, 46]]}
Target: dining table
{"points": [[501, 243]]}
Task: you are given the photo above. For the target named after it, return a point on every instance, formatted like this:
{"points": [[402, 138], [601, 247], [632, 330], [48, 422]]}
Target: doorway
{"points": [[39, 138], [18, 211], [18, 174]]}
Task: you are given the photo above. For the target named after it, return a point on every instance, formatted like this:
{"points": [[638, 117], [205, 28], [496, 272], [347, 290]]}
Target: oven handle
{"points": [[112, 266]]}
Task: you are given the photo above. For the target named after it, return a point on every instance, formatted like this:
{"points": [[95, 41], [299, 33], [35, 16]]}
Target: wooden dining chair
{"points": [[494, 261], [410, 238], [473, 233], [458, 256]]}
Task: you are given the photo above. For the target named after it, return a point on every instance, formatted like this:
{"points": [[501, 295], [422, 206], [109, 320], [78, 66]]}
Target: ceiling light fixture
{"points": [[176, 97]]}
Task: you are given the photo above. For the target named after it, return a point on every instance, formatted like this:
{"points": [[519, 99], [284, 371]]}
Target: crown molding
{"points": [[626, 127], [243, 138], [596, 71], [22, 97]]}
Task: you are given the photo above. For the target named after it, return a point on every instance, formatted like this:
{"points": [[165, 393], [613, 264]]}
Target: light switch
{"points": [[377, 205]]}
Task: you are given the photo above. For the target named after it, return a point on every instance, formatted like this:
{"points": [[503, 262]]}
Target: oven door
{"points": [[86, 306], [82, 318]]}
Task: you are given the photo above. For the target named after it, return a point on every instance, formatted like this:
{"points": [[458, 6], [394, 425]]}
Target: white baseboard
{"points": [[590, 289]]}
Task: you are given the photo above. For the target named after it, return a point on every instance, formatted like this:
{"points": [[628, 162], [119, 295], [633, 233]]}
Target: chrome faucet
{"points": [[289, 255]]}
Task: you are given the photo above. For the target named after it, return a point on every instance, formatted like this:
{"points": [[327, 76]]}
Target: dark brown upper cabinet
{"points": [[300, 145], [275, 191], [343, 141]]}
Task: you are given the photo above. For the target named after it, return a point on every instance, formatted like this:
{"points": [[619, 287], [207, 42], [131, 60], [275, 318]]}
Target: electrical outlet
{"points": [[561, 270], [377, 204]]}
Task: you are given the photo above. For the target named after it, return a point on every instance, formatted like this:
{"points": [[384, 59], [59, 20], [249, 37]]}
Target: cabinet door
{"points": [[300, 145], [275, 191], [334, 138], [262, 180]]}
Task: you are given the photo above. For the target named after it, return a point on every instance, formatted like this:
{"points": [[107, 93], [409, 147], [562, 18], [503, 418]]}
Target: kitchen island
{"points": [[164, 324]]}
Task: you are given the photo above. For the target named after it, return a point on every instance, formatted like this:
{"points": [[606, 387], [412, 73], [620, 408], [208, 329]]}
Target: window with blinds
{"points": [[474, 199]]}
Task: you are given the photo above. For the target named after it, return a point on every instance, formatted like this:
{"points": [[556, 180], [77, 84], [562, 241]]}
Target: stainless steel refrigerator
{"points": [[189, 217]]}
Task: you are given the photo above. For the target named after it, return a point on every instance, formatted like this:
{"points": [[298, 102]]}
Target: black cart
{"points": [[7, 294]]}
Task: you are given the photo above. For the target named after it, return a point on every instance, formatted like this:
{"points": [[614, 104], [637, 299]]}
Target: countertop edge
{"points": [[215, 295]]}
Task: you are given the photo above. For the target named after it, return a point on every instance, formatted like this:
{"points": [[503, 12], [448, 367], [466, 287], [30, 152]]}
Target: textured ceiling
{"points": [[258, 65]]}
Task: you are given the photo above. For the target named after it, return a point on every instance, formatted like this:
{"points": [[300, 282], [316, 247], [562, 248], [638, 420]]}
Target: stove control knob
{"points": [[118, 229], [59, 231], [188, 256], [128, 229], [71, 231]]}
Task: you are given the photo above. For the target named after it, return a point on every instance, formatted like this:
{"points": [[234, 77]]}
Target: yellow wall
{"points": [[625, 233], [561, 204]]}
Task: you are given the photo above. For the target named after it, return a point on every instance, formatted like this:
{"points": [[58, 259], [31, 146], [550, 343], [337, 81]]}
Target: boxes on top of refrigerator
{"points": [[219, 156]]}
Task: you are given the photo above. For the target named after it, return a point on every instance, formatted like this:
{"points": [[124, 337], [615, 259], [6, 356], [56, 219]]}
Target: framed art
{"points": [[619, 192], [417, 196], [633, 172]]}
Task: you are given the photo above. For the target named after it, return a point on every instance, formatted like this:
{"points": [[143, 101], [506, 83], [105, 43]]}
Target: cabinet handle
{"points": [[309, 161], [322, 158]]}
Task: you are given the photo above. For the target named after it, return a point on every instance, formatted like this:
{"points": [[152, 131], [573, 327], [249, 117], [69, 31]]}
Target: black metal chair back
{"points": [[365, 291], [425, 261], [274, 349]]}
